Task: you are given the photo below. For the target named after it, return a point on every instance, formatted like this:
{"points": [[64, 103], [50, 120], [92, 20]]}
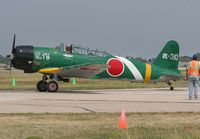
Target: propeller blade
{"points": [[9, 73], [13, 46], [11, 56]]}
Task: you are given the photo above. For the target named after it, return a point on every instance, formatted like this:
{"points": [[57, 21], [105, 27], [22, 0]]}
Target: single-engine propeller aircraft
{"points": [[61, 63]]}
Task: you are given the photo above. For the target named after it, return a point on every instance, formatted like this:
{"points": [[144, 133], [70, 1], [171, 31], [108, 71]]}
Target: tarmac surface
{"points": [[91, 101]]}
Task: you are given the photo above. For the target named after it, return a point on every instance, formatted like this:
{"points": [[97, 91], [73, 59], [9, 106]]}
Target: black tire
{"points": [[52, 86], [42, 86], [172, 88]]}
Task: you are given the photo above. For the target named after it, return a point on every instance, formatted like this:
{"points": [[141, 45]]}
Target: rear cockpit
{"points": [[88, 51], [77, 49]]}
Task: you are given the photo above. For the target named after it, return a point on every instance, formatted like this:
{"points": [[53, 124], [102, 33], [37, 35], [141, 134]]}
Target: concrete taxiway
{"points": [[132, 100]]}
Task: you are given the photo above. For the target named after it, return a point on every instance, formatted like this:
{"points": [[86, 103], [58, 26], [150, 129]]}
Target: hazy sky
{"points": [[121, 27]]}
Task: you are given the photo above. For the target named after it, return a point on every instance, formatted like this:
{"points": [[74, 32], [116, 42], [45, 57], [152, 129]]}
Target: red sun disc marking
{"points": [[116, 67]]}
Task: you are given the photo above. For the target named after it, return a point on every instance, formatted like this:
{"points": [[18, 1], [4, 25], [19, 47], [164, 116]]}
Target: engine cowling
{"points": [[23, 58]]}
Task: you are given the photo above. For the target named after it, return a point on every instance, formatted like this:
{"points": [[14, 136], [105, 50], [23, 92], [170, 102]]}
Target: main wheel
{"points": [[171, 88], [52, 86], [42, 86]]}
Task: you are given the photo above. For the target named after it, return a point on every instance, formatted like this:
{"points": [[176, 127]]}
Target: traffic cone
{"points": [[13, 82], [73, 81], [122, 122]]}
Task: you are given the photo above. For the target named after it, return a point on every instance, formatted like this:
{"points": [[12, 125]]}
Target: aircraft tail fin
{"points": [[169, 56]]}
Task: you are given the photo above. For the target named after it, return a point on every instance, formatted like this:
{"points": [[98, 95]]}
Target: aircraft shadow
{"points": [[77, 92], [167, 90]]}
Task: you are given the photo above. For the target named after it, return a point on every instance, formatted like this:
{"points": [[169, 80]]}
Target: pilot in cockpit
{"points": [[68, 49]]}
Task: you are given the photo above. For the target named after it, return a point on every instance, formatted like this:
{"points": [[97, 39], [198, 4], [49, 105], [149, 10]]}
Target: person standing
{"points": [[193, 77]]}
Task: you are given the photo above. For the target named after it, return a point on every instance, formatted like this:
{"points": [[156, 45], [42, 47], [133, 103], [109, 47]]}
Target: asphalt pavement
{"points": [[81, 101]]}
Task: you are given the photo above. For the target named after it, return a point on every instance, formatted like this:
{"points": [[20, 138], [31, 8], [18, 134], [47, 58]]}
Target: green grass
{"points": [[29, 81], [93, 125], [100, 126]]}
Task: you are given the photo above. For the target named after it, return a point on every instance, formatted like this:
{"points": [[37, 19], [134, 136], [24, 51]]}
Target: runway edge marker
{"points": [[73, 81], [122, 122], [13, 82]]}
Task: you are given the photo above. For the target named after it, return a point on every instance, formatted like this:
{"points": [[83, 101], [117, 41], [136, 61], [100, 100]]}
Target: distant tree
{"points": [[137, 58], [198, 55], [151, 60], [141, 59], [185, 58], [4, 60]]}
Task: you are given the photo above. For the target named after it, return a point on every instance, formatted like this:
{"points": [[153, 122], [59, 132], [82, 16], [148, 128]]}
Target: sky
{"points": [[138, 28]]}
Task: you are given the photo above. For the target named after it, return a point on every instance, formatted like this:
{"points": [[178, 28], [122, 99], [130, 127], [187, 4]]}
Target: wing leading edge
{"points": [[82, 71]]}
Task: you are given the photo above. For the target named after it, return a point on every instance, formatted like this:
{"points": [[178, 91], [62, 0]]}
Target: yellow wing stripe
{"points": [[148, 73], [50, 70]]}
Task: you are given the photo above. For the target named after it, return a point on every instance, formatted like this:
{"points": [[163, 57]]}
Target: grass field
{"points": [[100, 126], [93, 125], [29, 81]]}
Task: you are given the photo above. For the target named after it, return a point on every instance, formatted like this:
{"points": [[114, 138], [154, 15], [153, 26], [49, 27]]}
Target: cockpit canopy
{"points": [[77, 49]]}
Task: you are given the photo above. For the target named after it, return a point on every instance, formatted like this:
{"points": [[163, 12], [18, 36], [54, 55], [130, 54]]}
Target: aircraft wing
{"points": [[83, 71]]}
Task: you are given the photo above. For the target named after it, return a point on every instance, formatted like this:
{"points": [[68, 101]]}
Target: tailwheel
{"points": [[52, 86], [42, 86], [170, 85], [171, 88]]}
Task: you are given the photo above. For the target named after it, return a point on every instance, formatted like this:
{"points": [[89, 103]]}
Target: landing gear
{"points": [[172, 88], [52, 86], [170, 85], [43, 85]]}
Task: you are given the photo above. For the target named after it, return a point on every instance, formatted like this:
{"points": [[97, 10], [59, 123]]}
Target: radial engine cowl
{"points": [[23, 57]]}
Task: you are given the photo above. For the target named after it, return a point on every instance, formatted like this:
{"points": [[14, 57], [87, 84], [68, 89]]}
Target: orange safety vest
{"points": [[193, 68]]}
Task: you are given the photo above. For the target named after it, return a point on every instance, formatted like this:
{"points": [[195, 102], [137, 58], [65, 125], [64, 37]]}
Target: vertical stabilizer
{"points": [[169, 56]]}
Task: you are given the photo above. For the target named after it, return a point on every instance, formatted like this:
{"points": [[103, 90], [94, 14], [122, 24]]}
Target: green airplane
{"points": [[61, 63]]}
